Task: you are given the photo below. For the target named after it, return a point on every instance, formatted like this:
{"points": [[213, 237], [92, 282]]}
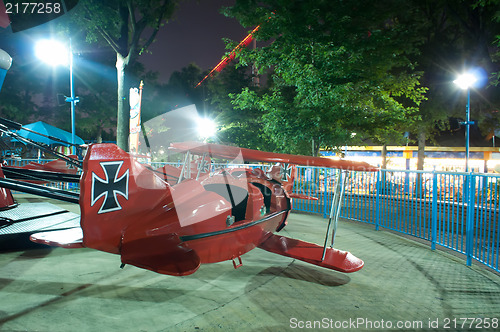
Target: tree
{"points": [[128, 27], [181, 87], [484, 29], [337, 67], [456, 36], [244, 128], [431, 21], [95, 113], [180, 91], [16, 99], [20, 89]]}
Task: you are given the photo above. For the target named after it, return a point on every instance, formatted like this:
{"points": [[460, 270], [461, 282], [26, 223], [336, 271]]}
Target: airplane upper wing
{"points": [[232, 152]]}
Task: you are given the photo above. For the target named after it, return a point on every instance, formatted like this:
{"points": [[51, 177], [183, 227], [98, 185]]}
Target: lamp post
{"points": [[72, 98], [464, 82], [55, 53]]}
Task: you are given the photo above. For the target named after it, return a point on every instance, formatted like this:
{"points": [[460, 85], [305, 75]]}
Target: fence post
{"points": [[377, 200], [434, 210], [325, 192], [469, 228]]}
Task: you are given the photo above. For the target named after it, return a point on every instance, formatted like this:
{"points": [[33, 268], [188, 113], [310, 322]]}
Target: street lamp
{"points": [[465, 82], [55, 53], [206, 128]]}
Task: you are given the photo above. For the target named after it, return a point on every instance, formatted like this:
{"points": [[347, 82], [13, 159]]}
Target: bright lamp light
{"points": [[52, 52], [465, 81], [206, 127]]}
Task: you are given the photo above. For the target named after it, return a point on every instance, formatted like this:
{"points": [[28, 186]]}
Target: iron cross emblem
{"points": [[286, 172], [110, 187], [204, 166]]}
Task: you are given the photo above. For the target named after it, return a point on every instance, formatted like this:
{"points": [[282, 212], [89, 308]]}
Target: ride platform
{"points": [[18, 223], [403, 284]]}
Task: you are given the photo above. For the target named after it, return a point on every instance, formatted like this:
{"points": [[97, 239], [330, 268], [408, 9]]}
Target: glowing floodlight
{"points": [[465, 81], [52, 52], [206, 127], [56, 53]]}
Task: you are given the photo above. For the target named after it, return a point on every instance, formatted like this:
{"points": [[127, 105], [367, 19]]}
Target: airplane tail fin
{"points": [[116, 191], [128, 209]]}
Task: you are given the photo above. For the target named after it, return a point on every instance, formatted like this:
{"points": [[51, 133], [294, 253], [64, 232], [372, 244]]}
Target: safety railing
{"points": [[459, 211], [24, 162]]}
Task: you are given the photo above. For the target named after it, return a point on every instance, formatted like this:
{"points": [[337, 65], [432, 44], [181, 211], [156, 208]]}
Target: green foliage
{"points": [[17, 96], [28, 93], [243, 128], [337, 67]]}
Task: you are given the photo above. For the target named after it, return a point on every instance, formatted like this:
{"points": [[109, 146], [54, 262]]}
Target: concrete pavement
{"points": [[403, 286]]}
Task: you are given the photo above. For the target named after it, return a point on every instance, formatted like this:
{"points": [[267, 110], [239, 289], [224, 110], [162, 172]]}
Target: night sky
{"points": [[195, 35]]}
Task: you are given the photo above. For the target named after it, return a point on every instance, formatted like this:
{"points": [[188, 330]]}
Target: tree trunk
{"points": [[122, 118], [384, 156], [421, 151], [419, 185], [122, 61], [315, 147], [99, 135]]}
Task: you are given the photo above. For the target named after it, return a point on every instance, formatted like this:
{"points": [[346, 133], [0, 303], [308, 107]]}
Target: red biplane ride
{"points": [[172, 219]]}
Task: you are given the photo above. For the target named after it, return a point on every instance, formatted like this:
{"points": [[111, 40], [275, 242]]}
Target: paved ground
{"points": [[403, 284]]}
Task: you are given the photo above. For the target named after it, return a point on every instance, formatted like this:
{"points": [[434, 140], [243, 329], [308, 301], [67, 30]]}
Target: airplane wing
{"points": [[66, 238], [232, 152], [59, 166], [56, 170], [335, 259]]}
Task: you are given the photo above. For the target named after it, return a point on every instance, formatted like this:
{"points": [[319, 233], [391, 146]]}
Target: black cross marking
{"points": [[286, 172], [204, 165], [110, 190]]}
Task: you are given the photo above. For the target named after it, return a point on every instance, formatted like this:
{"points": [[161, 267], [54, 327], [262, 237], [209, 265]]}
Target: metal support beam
{"points": [[338, 195]]}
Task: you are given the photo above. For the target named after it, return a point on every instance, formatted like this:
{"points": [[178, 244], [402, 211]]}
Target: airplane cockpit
{"points": [[175, 151]]}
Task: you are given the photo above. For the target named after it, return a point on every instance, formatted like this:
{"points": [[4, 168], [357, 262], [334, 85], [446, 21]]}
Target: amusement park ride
{"points": [[172, 219]]}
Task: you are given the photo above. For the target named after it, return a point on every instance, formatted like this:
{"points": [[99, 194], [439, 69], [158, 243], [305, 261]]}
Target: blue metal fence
{"points": [[459, 211], [23, 162]]}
